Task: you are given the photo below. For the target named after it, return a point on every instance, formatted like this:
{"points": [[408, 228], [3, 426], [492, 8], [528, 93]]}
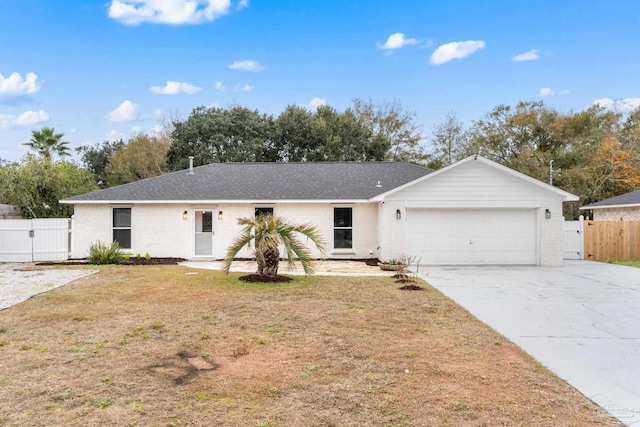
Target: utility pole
{"points": [[551, 172]]}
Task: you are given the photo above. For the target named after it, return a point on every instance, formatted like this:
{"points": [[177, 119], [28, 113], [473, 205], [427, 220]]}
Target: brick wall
{"points": [[617, 214]]}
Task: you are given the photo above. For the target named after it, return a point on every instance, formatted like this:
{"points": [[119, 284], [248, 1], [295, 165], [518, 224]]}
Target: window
{"points": [[263, 211], [342, 228], [122, 227], [207, 221]]}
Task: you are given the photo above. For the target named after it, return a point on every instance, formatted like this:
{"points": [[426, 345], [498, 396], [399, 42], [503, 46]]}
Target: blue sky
{"points": [[98, 70]]}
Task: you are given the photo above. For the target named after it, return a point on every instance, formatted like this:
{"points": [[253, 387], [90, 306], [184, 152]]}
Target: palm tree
{"points": [[46, 142], [268, 232]]}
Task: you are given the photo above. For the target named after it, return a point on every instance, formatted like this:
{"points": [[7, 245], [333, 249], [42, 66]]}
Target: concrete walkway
{"points": [[581, 320], [323, 268]]}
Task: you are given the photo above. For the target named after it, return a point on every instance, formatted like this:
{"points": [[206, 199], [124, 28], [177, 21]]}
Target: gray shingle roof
{"points": [[266, 181], [632, 198]]}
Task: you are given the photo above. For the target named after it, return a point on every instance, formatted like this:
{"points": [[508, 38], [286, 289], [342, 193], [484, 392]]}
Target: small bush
{"points": [[99, 253]]}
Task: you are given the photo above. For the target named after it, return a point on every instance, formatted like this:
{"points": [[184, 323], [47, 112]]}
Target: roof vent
{"points": [[379, 185], [190, 165]]}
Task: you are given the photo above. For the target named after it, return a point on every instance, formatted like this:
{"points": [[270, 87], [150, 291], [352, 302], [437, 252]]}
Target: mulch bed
{"points": [[411, 288], [131, 261], [260, 278]]}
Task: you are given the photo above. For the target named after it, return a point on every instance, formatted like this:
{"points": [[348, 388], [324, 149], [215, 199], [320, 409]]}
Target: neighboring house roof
{"points": [[344, 181], [565, 194], [623, 201]]}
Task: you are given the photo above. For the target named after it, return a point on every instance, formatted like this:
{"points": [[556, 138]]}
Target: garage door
{"points": [[472, 237]]}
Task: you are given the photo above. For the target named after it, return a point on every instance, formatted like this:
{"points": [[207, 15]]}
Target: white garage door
{"points": [[472, 237]]}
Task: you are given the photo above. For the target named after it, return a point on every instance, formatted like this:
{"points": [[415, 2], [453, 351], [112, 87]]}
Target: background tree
{"points": [[392, 126], [36, 185], [144, 156], [449, 143], [268, 233], [339, 137], [630, 132], [96, 158], [293, 135], [46, 142], [216, 135]]}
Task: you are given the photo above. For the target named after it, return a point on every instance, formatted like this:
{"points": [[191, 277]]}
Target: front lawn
{"points": [[630, 263], [170, 346]]}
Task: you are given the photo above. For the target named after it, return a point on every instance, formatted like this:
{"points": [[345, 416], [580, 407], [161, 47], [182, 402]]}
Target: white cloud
{"points": [[531, 55], [317, 102], [28, 118], [547, 91], [242, 4], [175, 88], [220, 86], [396, 41], [157, 130], [126, 112], [176, 12], [114, 135], [619, 105], [247, 88], [246, 65], [456, 50], [16, 85]]}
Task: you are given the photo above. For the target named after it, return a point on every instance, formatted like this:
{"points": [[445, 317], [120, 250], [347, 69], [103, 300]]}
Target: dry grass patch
{"points": [[163, 346]]}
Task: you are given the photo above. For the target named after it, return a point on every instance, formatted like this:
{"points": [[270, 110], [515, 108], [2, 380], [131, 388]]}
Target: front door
{"points": [[204, 233]]}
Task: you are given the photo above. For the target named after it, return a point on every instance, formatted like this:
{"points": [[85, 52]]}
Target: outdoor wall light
{"points": [[547, 214], [220, 217], [398, 214], [185, 215]]}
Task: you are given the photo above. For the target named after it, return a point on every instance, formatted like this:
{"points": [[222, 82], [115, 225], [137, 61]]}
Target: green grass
{"points": [[629, 263]]}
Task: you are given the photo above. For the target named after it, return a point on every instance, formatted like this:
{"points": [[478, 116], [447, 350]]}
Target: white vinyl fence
{"points": [[573, 239], [32, 240]]}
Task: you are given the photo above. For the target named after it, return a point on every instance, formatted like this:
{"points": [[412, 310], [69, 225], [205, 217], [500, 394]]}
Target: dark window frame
{"points": [[260, 210], [342, 228], [119, 227]]}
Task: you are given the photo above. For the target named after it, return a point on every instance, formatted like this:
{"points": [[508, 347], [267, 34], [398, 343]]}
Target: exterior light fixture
{"points": [[220, 217], [185, 215], [398, 214], [547, 214]]}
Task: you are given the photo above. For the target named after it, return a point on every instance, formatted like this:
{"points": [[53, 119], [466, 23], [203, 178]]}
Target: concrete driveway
{"points": [[18, 285], [581, 320]]}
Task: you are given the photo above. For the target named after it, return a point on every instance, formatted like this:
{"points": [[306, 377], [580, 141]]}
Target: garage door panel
{"points": [[472, 237]]}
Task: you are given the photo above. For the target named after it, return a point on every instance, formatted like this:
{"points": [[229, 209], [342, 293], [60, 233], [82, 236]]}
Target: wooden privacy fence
{"points": [[28, 240], [611, 240]]}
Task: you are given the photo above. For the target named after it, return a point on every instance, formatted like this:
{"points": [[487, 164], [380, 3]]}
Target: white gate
{"points": [[573, 239], [32, 240]]}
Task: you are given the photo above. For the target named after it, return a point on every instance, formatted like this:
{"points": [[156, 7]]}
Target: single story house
{"points": [[469, 213], [625, 207]]}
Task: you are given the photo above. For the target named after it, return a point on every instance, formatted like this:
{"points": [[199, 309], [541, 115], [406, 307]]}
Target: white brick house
{"points": [[625, 207], [472, 212]]}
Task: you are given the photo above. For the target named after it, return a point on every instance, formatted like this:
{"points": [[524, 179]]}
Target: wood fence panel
{"points": [[611, 240]]}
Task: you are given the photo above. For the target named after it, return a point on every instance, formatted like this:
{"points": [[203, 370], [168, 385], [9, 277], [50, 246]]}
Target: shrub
{"points": [[99, 253]]}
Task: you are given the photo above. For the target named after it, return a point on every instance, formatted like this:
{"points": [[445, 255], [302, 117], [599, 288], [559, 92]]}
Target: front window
{"points": [[263, 211], [122, 227], [342, 228]]}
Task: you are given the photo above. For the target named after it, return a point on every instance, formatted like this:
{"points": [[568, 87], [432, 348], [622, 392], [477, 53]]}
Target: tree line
{"points": [[593, 153]]}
